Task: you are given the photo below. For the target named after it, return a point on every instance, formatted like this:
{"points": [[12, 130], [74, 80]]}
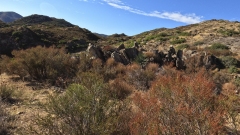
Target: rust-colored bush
{"points": [[120, 89], [97, 65], [178, 104], [141, 78]]}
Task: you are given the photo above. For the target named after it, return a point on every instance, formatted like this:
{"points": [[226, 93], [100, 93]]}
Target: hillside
{"points": [[2, 24], [198, 35], [184, 80], [42, 30], [8, 17], [43, 20]]}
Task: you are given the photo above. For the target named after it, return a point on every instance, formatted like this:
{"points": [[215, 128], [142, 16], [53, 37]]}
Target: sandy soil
{"points": [[30, 96]]}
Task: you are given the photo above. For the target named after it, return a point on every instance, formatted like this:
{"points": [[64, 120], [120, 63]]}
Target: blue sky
{"points": [[127, 16]]}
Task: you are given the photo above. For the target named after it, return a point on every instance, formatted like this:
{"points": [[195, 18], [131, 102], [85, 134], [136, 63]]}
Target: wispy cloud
{"points": [[175, 16], [84, 0]]}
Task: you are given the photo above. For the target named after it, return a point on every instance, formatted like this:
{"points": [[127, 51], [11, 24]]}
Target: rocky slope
{"points": [[199, 35]]}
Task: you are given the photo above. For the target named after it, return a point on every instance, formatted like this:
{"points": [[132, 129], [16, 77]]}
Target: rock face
{"points": [[8, 17], [130, 53], [95, 52], [118, 57]]}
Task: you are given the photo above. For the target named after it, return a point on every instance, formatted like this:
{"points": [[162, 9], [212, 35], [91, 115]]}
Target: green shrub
{"points": [[184, 34], [42, 64], [237, 81], [163, 34], [228, 32], [220, 52], [178, 40], [162, 38], [232, 69], [219, 46], [182, 46], [140, 58], [6, 93], [150, 37], [198, 43], [85, 108], [229, 61], [219, 49]]}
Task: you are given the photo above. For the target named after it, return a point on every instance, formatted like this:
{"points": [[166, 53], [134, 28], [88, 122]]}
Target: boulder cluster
{"points": [[177, 58]]}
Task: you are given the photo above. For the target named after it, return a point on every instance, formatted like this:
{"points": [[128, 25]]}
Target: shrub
{"points": [[229, 61], [219, 52], [182, 46], [228, 32], [140, 58], [85, 108], [43, 63], [219, 46], [178, 41], [17, 35], [85, 62], [141, 79], [178, 104], [6, 93], [120, 89], [184, 34], [198, 43], [6, 121], [233, 69]]}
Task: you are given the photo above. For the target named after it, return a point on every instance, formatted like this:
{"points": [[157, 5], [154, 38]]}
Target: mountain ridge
{"points": [[10, 16], [42, 30]]}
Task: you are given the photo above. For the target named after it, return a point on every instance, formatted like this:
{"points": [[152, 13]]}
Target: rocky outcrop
{"points": [[130, 53], [176, 59], [95, 52], [118, 57]]}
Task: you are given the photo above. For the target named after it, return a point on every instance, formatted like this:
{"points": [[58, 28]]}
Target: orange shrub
{"points": [[120, 89], [178, 104]]}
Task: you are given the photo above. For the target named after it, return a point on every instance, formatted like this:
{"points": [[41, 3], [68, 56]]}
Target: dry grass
{"points": [[29, 104]]}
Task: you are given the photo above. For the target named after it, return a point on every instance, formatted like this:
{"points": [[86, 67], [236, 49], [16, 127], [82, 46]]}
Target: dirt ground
{"points": [[30, 96]]}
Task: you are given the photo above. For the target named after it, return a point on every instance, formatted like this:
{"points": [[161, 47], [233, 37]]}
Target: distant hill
{"points": [[8, 17], [101, 35], [42, 30], [41, 19]]}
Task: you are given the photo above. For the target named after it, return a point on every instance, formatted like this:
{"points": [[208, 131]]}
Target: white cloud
{"points": [[84, 0], [114, 1], [175, 16]]}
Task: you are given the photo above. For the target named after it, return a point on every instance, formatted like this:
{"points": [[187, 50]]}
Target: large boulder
{"points": [[158, 57], [130, 53], [118, 57], [121, 47], [95, 52], [180, 64]]}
